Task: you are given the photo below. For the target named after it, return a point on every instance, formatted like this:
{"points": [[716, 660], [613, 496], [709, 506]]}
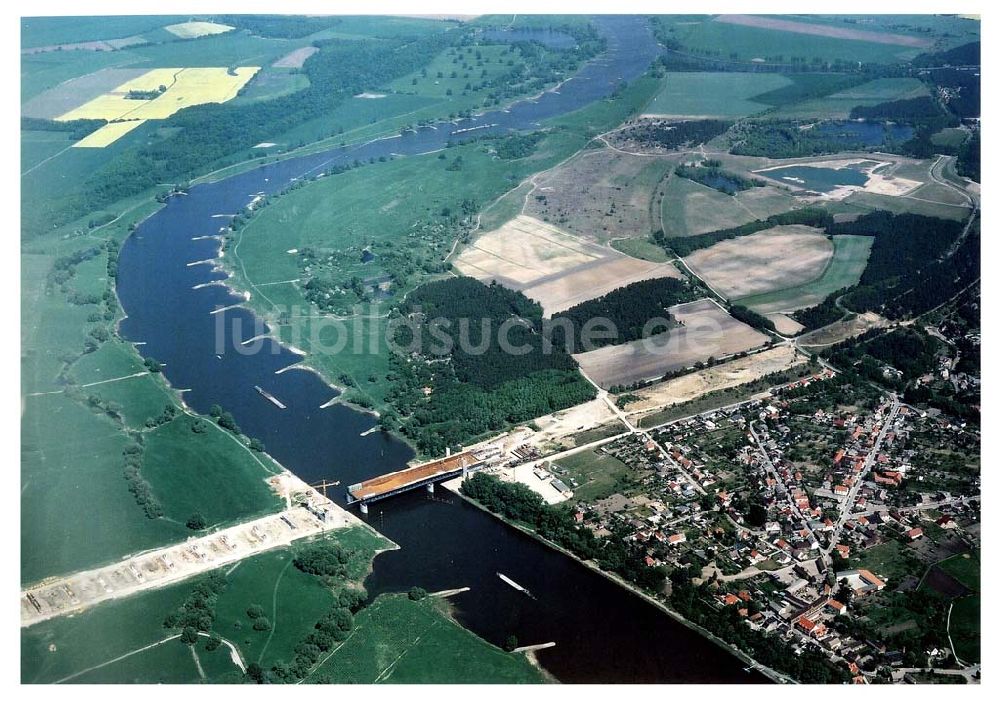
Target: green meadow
{"points": [[398, 640], [713, 95]]}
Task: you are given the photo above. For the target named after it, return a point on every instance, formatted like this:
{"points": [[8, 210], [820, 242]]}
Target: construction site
{"points": [[308, 513]]}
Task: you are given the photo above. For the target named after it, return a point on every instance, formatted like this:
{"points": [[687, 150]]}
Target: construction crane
{"points": [[323, 485]]}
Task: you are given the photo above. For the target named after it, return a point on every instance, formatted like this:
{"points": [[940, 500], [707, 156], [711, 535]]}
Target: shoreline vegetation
{"points": [[775, 676]]}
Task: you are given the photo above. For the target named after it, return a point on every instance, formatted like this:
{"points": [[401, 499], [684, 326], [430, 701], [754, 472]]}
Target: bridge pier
{"points": [[364, 508], [430, 487]]}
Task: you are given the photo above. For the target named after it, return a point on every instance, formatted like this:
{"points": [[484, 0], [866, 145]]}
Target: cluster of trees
{"points": [[515, 502], [909, 270], [967, 164], [169, 413], [683, 246], [75, 129], [455, 412], [629, 309], [457, 309], [331, 629], [64, 267], [225, 419], [519, 145], [672, 135], [197, 614], [139, 487], [906, 110], [324, 558], [907, 350], [711, 174], [748, 316], [826, 312]]}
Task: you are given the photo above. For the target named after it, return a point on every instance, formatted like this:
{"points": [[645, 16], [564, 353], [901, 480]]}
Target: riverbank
{"points": [[771, 674]]}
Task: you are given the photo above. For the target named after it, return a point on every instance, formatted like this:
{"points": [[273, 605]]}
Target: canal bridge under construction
{"points": [[424, 475]]}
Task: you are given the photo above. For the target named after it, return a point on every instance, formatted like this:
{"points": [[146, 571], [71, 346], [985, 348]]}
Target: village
{"points": [[815, 521]]}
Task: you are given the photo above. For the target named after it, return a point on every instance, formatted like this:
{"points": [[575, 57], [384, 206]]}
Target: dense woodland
{"points": [[474, 384], [669, 135], [910, 269], [629, 309]]}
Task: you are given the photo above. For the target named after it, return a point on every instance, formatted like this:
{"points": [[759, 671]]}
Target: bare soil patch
{"points": [[839, 331], [554, 267], [705, 330], [726, 375], [75, 92], [768, 260]]}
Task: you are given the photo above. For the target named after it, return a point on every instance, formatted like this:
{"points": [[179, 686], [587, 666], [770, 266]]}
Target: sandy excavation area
{"points": [[556, 268], [705, 330], [769, 260], [163, 566], [725, 375]]}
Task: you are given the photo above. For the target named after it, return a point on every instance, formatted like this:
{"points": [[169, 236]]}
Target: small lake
{"points": [[721, 182], [818, 179]]}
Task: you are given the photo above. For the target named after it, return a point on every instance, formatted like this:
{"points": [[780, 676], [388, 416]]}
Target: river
{"points": [[603, 633]]}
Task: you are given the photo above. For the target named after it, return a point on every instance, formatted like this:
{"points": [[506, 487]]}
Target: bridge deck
{"points": [[388, 483]]}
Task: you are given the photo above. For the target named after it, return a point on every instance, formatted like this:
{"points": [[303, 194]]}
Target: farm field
{"points": [[688, 208], [838, 105], [844, 269], [47, 31], [77, 511], [768, 260], [705, 331], [397, 640], [193, 29], [712, 95], [603, 194], [549, 265], [183, 87], [716, 378], [771, 44]]}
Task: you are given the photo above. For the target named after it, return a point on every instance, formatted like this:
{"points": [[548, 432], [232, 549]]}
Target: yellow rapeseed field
{"points": [[184, 88], [107, 134]]}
